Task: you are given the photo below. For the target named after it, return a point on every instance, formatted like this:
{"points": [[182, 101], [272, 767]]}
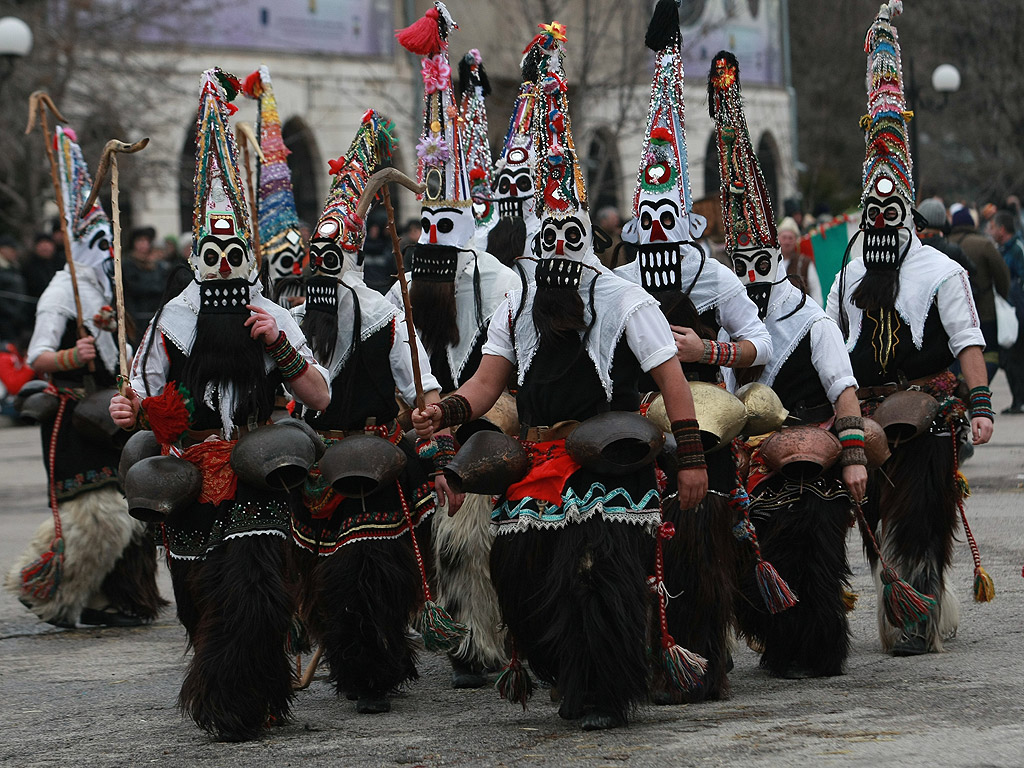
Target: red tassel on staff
{"points": [[984, 589], [422, 37]]}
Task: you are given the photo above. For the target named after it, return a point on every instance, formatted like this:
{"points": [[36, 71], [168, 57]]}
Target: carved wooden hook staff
{"points": [[38, 103], [109, 161], [381, 179], [246, 137]]}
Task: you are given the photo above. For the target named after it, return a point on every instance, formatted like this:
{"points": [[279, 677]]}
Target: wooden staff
{"points": [[38, 102], [246, 136], [378, 180], [109, 160]]}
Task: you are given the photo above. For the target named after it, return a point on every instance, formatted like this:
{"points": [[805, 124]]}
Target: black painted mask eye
{"points": [[504, 184], [646, 220], [425, 223], [668, 220], [550, 237], [740, 267], [211, 256], [573, 237], [523, 183], [235, 256], [444, 226], [286, 261]]}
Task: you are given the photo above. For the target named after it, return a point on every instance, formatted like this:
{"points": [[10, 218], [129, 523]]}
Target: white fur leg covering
{"points": [[947, 616], [96, 528], [462, 548]]}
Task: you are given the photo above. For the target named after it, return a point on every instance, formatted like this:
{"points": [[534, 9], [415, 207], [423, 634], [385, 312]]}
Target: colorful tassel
{"points": [[41, 577], [984, 589], [774, 590], [849, 600], [297, 640], [514, 684], [904, 606], [440, 631], [423, 36], [684, 669]]}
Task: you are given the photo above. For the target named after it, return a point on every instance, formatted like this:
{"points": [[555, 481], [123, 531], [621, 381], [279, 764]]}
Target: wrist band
{"points": [[850, 430], [68, 359], [981, 403], [445, 451], [689, 449], [726, 353], [455, 410], [288, 360]]}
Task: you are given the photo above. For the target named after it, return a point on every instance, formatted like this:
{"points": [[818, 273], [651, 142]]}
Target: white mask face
{"points": [[567, 238], [886, 223], [222, 257], [447, 226], [283, 262], [758, 269], [659, 221], [96, 254]]}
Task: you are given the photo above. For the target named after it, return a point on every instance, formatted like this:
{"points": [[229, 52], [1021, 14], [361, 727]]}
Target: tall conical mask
{"points": [[888, 191], [566, 233], [751, 240], [90, 233], [475, 88], [662, 217], [222, 240], [447, 213], [338, 238], [280, 236], [515, 169]]}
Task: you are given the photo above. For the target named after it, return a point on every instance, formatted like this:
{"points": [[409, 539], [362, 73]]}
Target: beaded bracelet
{"points": [[981, 403], [725, 353], [455, 410], [288, 360], [445, 451], [689, 449], [68, 359], [850, 430]]}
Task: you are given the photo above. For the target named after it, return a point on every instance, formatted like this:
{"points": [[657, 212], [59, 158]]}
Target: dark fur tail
{"points": [[366, 594], [806, 542], [240, 678], [131, 585], [577, 603], [700, 563]]}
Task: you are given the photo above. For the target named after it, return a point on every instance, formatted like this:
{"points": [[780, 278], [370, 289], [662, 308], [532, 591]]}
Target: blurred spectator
{"points": [[796, 264], [43, 262], [145, 275], [1013, 204], [410, 235], [507, 240], [378, 254], [791, 210], [608, 219], [15, 307], [1003, 229], [976, 254]]}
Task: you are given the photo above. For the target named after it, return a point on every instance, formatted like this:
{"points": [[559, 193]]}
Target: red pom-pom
{"points": [[368, 115], [251, 84], [231, 108], [477, 174], [661, 133], [422, 37], [169, 413]]}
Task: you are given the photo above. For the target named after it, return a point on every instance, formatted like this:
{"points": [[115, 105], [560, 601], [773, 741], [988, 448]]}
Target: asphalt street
{"points": [[106, 697]]}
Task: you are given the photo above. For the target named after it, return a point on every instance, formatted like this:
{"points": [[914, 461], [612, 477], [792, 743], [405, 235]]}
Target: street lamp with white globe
{"points": [[15, 43], [945, 80]]}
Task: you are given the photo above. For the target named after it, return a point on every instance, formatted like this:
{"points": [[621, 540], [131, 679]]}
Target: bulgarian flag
{"points": [[826, 244]]}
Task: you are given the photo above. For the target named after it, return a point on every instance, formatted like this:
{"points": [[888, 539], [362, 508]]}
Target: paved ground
{"points": [[107, 697]]}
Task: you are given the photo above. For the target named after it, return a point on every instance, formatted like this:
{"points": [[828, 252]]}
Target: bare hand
{"points": [[86, 348], [427, 421], [855, 478], [693, 486], [446, 496], [689, 346], [981, 430], [125, 408], [262, 325]]}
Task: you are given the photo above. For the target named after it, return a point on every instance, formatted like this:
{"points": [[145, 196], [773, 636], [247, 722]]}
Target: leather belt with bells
{"points": [[558, 431]]}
